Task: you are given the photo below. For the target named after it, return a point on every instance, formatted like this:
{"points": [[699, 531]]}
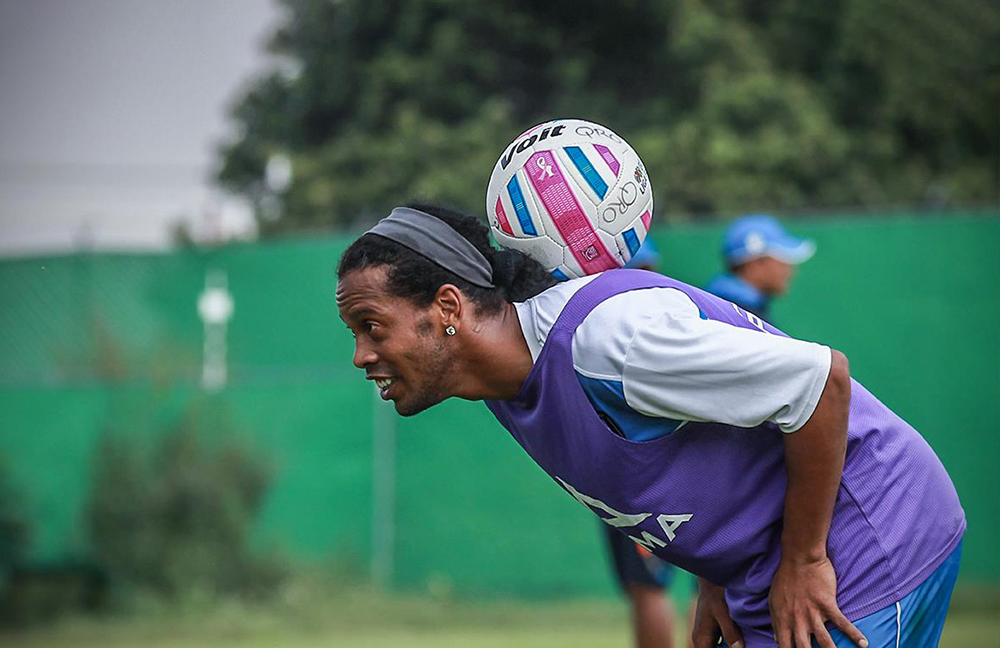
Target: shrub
{"points": [[175, 518]]}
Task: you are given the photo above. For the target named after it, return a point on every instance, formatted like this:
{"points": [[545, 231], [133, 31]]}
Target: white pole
{"points": [[383, 491], [215, 307]]}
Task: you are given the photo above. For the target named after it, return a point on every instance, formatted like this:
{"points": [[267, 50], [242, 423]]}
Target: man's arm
{"points": [[804, 590], [814, 459]]}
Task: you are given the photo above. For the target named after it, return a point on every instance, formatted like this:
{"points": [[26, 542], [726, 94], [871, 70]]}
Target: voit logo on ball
{"points": [[520, 146]]}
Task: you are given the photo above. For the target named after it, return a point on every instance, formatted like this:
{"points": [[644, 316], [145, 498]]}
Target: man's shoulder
{"points": [[555, 298], [546, 307], [602, 339], [539, 313]]}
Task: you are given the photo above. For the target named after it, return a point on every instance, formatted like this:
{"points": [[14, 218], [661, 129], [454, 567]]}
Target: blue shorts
{"points": [[917, 619]]}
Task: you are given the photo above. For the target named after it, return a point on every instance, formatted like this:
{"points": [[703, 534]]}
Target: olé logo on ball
{"points": [[668, 523], [640, 177]]}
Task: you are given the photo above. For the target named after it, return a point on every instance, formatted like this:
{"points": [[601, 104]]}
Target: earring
{"points": [[450, 330]]}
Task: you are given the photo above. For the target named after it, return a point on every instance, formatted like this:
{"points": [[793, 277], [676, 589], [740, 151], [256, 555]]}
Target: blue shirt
{"points": [[734, 289]]}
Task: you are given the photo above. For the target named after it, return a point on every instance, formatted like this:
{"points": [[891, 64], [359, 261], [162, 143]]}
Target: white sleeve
{"points": [[683, 367]]}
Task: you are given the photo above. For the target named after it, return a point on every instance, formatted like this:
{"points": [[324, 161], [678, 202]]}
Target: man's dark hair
{"points": [[516, 276]]}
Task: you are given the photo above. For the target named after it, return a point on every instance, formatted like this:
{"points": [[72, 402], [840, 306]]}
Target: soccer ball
{"points": [[572, 195]]}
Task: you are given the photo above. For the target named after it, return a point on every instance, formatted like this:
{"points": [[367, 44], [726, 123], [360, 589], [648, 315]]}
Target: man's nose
{"points": [[364, 355]]}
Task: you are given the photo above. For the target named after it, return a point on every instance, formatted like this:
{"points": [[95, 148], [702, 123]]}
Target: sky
{"points": [[110, 115]]}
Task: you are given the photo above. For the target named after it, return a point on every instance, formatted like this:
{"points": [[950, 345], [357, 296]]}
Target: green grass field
{"points": [[303, 619]]}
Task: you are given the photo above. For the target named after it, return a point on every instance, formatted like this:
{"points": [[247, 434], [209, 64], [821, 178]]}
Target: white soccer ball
{"points": [[572, 195]]}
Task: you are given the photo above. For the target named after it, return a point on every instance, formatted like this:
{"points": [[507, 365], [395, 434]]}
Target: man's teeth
{"points": [[382, 383]]}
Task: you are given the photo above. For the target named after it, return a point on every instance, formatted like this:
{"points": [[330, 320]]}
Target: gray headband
{"points": [[436, 240]]}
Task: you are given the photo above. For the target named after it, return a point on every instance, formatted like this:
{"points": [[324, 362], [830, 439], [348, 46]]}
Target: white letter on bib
{"points": [[671, 522], [617, 519]]}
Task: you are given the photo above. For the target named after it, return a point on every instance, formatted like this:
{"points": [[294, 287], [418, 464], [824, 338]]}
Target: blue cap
{"points": [[757, 235], [647, 256]]}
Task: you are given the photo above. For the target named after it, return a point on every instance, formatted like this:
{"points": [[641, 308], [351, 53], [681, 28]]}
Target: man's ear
{"points": [[450, 301]]}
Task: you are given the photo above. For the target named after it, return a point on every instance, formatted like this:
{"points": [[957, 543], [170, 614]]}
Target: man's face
{"points": [[398, 344], [769, 275]]}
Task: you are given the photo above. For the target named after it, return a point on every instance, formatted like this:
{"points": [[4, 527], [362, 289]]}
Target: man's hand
{"points": [[711, 619], [803, 597]]}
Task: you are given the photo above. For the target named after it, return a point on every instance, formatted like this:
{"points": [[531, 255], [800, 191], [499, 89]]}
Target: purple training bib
{"points": [[709, 497]]}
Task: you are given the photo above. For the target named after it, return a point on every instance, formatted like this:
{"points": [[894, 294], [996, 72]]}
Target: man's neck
{"points": [[496, 360]]}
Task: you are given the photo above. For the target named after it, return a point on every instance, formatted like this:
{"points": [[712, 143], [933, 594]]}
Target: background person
{"points": [[643, 579], [761, 258]]}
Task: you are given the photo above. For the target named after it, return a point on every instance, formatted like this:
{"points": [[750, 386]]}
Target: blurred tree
{"points": [[732, 104]]}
